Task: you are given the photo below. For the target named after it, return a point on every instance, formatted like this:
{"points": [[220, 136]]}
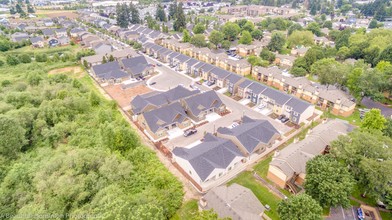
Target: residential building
{"points": [[158, 122], [284, 60], [103, 48], [154, 100], [288, 166], [37, 42], [251, 136], [110, 72], [137, 66], [200, 105], [209, 160], [218, 76], [233, 202]]}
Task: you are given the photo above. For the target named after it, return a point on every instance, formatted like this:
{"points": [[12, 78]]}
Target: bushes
{"points": [[41, 58], [24, 58], [12, 60]]}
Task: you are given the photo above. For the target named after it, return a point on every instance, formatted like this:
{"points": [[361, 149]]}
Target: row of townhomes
{"points": [[327, 97], [258, 10], [288, 166], [279, 102], [160, 114], [221, 59]]}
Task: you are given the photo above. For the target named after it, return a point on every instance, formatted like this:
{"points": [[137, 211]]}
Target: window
{"points": [[294, 119], [190, 172], [295, 114]]}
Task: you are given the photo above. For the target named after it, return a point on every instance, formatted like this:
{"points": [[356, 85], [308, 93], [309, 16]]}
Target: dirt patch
{"points": [[52, 14], [73, 71], [124, 96]]}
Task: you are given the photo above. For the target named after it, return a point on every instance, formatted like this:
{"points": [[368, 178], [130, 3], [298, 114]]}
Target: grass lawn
{"points": [[386, 215], [246, 179], [357, 191], [353, 118], [47, 50], [186, 211]]}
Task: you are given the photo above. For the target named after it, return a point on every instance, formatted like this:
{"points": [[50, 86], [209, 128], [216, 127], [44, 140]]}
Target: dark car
{"points": [[153, 83], [189, 132], [209, 83], [284, 120], [281, 117], [158, 64]]}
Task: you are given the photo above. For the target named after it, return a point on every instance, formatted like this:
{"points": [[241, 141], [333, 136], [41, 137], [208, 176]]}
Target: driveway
{"points": [[385, 110]]}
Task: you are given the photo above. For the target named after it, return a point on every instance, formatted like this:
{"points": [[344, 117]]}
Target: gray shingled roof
{"points": [[235, 202], [203, 101], [251, 132], [245, 83], [48, 32], [207, 67], [136, 65], [293, 158], [114, 74], [164, 116], [257, 88], [173, 55], [212, 153], [220, 73], [298, 105], [161, 98], [182, 58], [279, 97], [106, 67], [233, 78], [191, 62], [36, 39]]}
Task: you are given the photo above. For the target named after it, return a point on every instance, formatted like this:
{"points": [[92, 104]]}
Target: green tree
{"points": [[199, 28], [111, 58], [12, 137], [277, 42], [160, 14], [372, 24], [373, 120], [265, 54], [94, 99], [186, 37], [329, 71], [294, 27], [386, 54], [123, 16], [388, 130], [328, 182], [343, 53], [216, 38], [257, 61], [104, 59], [180, 22], [198, 40], [248, 26], [226, 44], [353, 83], [302, 38], [314, 27], [173, 10], [327, 24], [245, 38], [365, 153], [134, 13], [30, 9], [298, 71], [257, 34], [231, 30], [24, 58], [300, 207], [12, 60]]}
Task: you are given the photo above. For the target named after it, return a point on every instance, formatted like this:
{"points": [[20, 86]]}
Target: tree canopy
{"points": [[328, 181], [300, 207]]}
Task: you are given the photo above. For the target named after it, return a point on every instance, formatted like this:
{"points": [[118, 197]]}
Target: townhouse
{"points": [[37, 42], [327, 97], [251, 136], [200, 105], [209, 160], [137, 66], [218, 76], [158, 122], [288, 166], [110, 72]]}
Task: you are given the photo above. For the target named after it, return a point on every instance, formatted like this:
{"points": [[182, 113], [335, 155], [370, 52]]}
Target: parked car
{"points": [[360, 214], [198, 82], [281, 117], [158, 64], [284, 120], [190, 132], [153, 83], [261, 106], [209, 83]]}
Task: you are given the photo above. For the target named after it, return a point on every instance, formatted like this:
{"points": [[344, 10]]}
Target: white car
{"points": [[261, 106]]}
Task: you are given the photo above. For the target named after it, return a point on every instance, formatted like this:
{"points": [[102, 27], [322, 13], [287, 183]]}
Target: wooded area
{"points": [[64, 150]]}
